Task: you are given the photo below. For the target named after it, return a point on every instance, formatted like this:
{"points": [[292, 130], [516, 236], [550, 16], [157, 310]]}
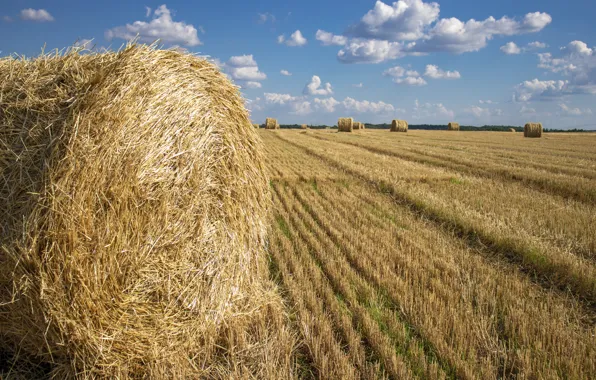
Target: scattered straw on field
{"points": [[533, 130], [345, 124], [399, 126], [453, 126], [132, 220]]}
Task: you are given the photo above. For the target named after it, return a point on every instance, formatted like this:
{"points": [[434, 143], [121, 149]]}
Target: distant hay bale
{"points": [[256, 125], [133, 213], [304, 126], [533, 130], [358, 125], [512, 130], [345, 124], [453, 126], [399, 126], [271, 123]]}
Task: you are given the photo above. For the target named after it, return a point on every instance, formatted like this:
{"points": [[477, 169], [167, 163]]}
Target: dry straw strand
{"points": [[533, 130], [345, 124], [453, 126], [399, 126], [132, 219]]}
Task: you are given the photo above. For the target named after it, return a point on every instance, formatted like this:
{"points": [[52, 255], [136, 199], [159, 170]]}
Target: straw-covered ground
{"points": [[436, 254]]}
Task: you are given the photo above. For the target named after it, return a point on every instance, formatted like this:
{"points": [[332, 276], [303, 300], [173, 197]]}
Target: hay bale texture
{"points": [[533, 130], [512, 130], [453, 126], [304, 126], [133, 210], [271, 123], [358, 125], [399, 126], [256, 125], [345, 124]]}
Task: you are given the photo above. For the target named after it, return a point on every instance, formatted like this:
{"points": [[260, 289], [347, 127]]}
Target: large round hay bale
{"points": [[132, 215], [453, 126], [399, 126], [304, 126], [271, 123], [511, 129], [358, 125], [533, 130], [345, 124]]}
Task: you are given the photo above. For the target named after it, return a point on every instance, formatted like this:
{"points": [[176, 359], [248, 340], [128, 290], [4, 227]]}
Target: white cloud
{"points": [[402, 76], [242, 61], [280, 99], [568, 111], [510, 48], [359, 85], [370, 51], [431, 110], [487, 102], [403, 20], [527, 110], [327, 104], [161, 27], [243, 69], [410, 81], [285, 72], [147, 11], [578, 62], [297, 104], [301, 108], [296, 39], [541, 90], [433, 71], [330, 39], [314, 87], [201, 29], [537, 45], [251, 84], [264, 17], [39, 15], [6, 18], [481, 112], [455, 36], [363, 106]]}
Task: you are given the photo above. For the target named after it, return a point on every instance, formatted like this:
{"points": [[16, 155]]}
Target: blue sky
{"points": [[427, 62]]}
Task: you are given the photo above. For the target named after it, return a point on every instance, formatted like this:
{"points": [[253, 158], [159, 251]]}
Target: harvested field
{"points": [[473, 257]]}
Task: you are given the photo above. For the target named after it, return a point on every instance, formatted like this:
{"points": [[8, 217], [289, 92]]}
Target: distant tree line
{"points": [[434, 127]]}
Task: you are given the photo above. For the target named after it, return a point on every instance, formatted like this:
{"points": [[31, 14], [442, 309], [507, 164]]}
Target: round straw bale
{"points": [[399, 126], [132, 213], [304, 126], [271, 123], [256, 125], [453, 126], [511, 130], [345, 124], [533, 130]]}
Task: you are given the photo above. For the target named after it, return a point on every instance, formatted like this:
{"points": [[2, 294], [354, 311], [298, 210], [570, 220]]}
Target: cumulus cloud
{"points": [[161, 27], [296, 39], [434, 72], [330, 39], [576, 61], [413, 27], [481, 112], [364, 106], [301, 108], [540, 90], [243, 69], [280, 99], [400, 75], [265, 17], [370, 51], [297, 104], [403, 20], [569, 111], [251, 84], [314, 87], [147, 11], [527, 110], [327, 104], [428, 110], [285, 72], [38, 15], [510, 48]]}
